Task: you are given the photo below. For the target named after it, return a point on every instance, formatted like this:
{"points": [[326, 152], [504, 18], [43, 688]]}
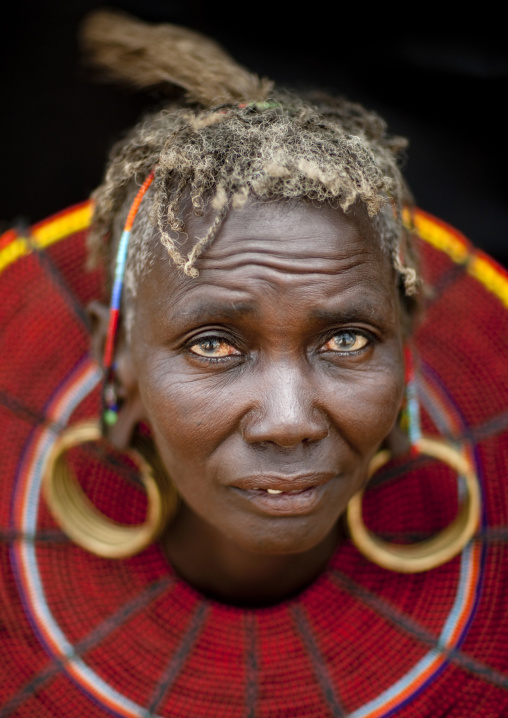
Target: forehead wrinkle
{"points": [[330, 245], [291, 264]]}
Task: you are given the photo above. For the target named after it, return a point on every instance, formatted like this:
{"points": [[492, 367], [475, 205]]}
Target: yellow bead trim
{"points": [[47, 233], [437, 235], [452, 243], [483, 270], [13, 252]]}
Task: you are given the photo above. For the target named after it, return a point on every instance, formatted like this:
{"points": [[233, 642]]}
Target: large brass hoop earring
{"points": [[78, 517], [442, 547]]}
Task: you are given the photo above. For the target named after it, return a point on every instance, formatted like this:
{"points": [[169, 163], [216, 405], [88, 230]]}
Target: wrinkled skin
{"points": [[282, 362]]}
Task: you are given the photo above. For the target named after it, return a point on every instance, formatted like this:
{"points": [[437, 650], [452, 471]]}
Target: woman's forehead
{"points": [[283, 248], [300, 229]]}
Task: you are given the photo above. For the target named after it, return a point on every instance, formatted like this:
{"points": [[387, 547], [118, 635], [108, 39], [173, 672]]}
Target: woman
{"points": [[262, 369]]}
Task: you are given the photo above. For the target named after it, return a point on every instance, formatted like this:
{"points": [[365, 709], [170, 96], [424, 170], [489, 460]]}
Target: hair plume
{"points": [[146, 55]]}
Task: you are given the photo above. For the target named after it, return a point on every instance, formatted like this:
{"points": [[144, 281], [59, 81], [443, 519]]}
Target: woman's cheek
{"points": [[365, 408], [186, 409]]}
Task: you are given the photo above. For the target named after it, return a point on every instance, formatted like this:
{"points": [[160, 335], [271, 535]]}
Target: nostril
{"points": [[285, 434]]}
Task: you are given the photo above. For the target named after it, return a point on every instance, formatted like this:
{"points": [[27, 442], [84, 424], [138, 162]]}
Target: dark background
{"points": [[438, 78]]}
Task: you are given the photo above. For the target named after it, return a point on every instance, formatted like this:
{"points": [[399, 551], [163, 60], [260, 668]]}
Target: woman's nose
{"points": [[286, 412]]}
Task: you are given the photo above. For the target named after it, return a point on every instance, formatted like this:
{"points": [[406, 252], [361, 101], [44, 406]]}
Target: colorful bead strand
{"points": [[110, 407], [414, 428]]}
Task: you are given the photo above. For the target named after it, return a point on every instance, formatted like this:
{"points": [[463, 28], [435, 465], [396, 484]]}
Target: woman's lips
{"points": [[284, 495]]}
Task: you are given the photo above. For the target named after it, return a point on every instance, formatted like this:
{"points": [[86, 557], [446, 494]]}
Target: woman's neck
{"points": [[223, 570]]}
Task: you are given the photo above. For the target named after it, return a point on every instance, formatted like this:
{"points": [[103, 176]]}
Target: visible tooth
{"points": [[274, 491]]}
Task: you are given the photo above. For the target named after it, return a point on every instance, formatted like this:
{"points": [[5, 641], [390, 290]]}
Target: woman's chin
{"points": [[285, 536]]}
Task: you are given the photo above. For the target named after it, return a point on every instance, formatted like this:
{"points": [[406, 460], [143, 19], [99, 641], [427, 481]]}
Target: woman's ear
{"points": [[131, 410], [98, 314]]}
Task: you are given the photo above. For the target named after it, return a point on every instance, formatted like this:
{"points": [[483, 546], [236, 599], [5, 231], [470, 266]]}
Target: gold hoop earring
{"points": [[78, 517], [442, 547]]}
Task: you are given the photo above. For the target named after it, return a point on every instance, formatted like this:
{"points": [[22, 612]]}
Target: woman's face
{"points": [[271, 379]]}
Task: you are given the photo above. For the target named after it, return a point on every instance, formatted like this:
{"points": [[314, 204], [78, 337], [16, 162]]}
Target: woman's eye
{"points": [[213, 348], [346, 341]]}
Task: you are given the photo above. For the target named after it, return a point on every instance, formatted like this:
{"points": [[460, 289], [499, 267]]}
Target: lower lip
{"points": [[285, 504]]}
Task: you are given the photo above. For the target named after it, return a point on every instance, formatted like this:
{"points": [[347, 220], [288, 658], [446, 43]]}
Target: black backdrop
{"points": [[438, 79]]}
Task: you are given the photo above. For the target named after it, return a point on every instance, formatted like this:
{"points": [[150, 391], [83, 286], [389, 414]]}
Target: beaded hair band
{"points": [[109, 400]]}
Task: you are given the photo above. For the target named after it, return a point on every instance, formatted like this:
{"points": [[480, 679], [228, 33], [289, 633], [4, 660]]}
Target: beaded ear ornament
{"points": [[410, 420], [109, 399]]}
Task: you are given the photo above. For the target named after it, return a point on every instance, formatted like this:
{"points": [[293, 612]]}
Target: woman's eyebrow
{"points": [[366, 312], [213, 311]]}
